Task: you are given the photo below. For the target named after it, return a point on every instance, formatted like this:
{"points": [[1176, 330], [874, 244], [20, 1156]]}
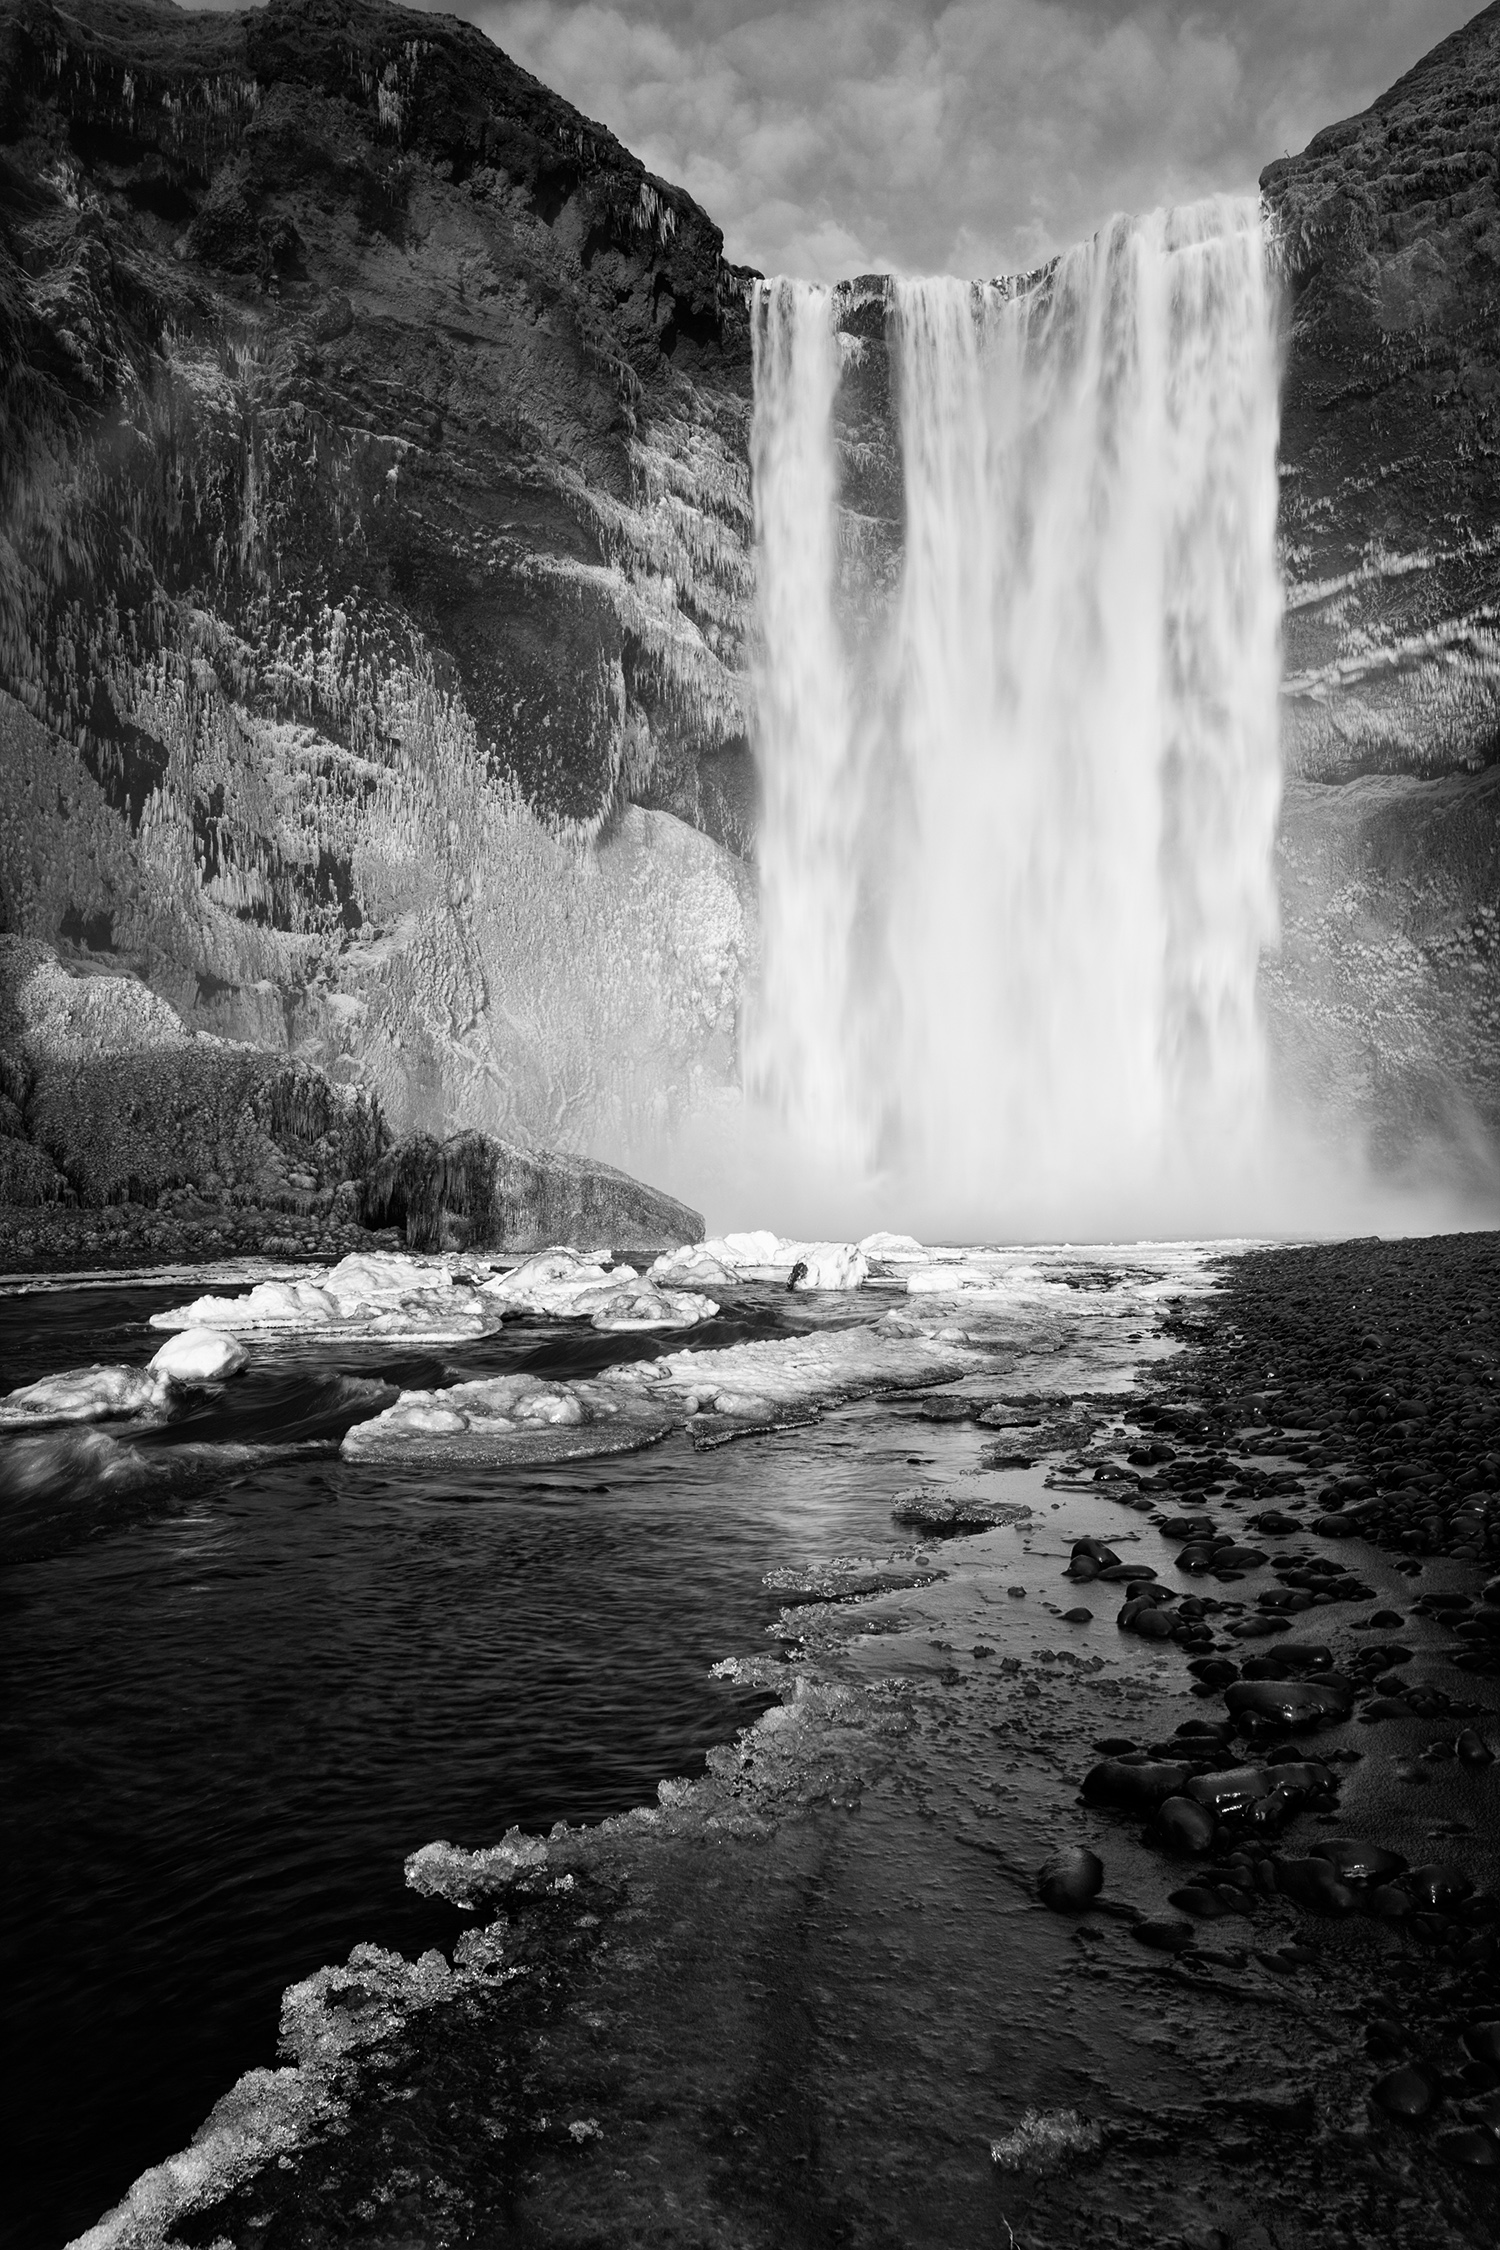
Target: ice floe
{"points": [[519, 1418], [105, 1393], [764, 1256], [511, 1418], [380, 1293], [84, 1394], [562, 1285], [387, 1296]]}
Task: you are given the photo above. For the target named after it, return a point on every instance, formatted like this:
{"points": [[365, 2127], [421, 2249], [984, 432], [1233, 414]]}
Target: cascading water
{"points": [[1016, 845]]}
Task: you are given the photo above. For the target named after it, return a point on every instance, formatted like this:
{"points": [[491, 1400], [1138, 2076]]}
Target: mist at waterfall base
{"points": [[1019, 809]]}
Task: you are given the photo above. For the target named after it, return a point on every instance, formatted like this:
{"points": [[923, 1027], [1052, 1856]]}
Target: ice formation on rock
{"points": [[764, 1256]]}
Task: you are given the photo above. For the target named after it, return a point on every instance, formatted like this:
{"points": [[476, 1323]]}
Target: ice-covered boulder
{"points": [[764, 1256], [559, 1284], [200, 1355]]}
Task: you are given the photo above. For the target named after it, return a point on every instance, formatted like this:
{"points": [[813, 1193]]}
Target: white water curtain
{"points": [[1016, 850]]}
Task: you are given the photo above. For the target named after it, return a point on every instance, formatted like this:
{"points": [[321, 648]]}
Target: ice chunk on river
{"points": [[512, 1418], [106, 1393], [562, 1285], [520, 1418], [389, 1297], [85, 1394], [378, 1293], [200, 1355], [765, 1257]]}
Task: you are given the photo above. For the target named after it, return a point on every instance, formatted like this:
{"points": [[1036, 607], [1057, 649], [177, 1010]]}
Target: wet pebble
{"points": [[1197, 1899], [1071, 1880], [1358, 1863], [1163, 1935], [1475, 2147], [1313, 1884], [1078, 1617], [1483, 2043], [1410, 2092], [1183, 1825], [1134, 1787]]}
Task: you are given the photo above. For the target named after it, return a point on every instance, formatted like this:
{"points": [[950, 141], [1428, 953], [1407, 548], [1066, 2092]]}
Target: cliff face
{"points": [[1386, 999], [375, 571], [373, 557]]}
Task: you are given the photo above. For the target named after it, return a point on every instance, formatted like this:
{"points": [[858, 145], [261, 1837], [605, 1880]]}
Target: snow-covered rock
{"points": [[765, 1257], [559, 1284], [200, 1355]]}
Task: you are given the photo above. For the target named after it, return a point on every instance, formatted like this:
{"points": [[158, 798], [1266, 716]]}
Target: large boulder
{"points": [[473, 1191]]}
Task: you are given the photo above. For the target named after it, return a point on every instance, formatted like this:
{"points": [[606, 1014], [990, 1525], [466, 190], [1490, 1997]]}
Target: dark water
{"points": [[238, 1688]]}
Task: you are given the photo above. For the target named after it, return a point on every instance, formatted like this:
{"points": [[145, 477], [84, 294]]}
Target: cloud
{"points": [[844, 136]]}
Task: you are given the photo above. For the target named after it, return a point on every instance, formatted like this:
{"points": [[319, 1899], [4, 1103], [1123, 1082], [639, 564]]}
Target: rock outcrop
{"points": [[373, 557], [375, 577], [1386, 999], [473, 1191], [109, 1098]]}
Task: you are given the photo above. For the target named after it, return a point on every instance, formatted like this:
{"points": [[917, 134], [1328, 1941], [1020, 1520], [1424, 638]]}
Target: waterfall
{"points": [[1016, 842]]}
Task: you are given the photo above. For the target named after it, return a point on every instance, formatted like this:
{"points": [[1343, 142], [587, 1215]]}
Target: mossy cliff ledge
{"points": [[374, 512]]}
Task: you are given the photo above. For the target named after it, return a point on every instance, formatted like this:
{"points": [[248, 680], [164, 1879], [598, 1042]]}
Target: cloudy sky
{"points": [[836, 137]]}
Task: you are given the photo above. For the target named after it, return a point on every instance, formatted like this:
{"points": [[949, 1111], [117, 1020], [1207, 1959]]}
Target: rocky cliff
{"points": [[375, 572], [373, 558], [1386, 998]]}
